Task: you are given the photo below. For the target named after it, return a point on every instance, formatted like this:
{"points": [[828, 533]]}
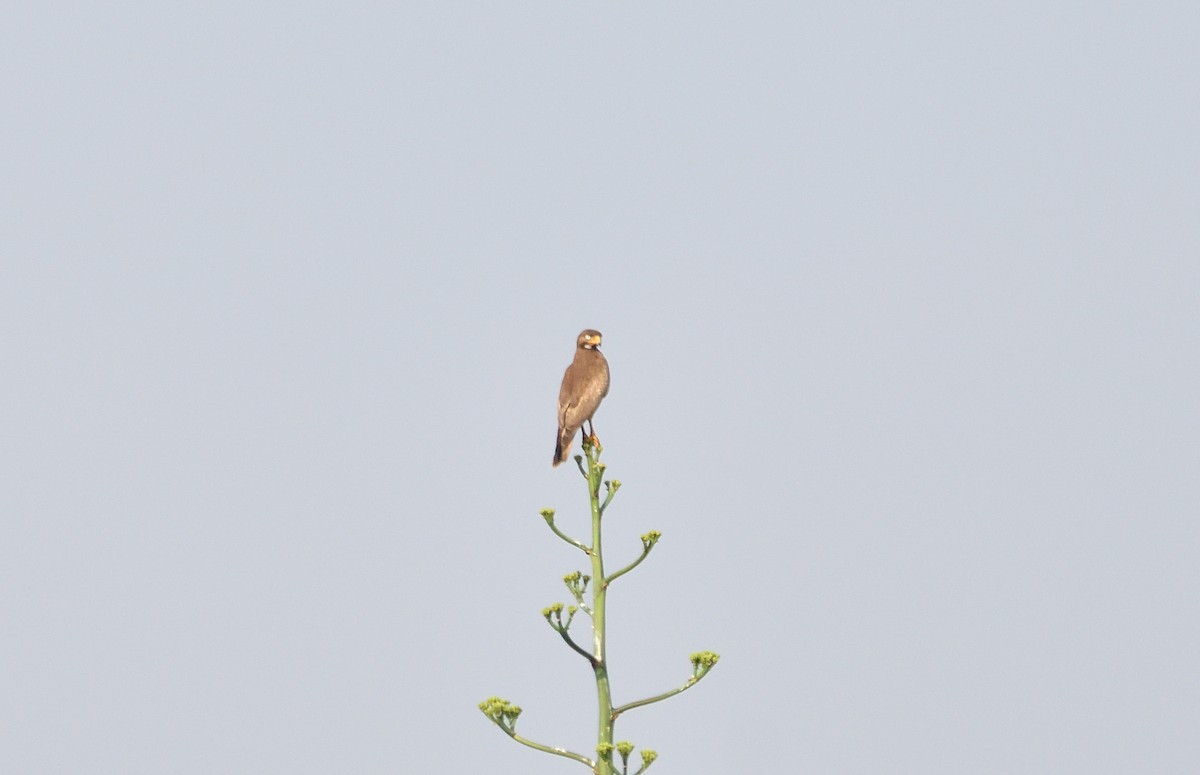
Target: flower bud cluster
{"points": [[702, 662], [501, 711]]}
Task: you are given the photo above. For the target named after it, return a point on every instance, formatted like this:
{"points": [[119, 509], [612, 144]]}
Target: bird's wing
{"points": [[571, 392]]}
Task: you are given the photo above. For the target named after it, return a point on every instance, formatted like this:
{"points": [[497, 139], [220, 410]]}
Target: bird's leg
{"points": [[593, 437]]}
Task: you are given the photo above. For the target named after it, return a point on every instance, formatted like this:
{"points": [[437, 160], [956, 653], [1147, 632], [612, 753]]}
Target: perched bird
{"points": [[583, 387]]}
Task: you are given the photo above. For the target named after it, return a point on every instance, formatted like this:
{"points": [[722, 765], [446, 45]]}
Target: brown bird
{"points": [[583, 387]]}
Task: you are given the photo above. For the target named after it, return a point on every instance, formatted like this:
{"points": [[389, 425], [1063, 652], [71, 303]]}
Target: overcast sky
{"points": [[900, 302]]}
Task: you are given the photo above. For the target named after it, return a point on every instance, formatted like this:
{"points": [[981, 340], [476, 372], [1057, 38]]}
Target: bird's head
{"points": [[589, 339]]}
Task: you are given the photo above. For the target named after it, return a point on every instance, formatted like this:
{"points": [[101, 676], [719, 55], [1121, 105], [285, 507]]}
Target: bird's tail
{"points": [[562, 446]]}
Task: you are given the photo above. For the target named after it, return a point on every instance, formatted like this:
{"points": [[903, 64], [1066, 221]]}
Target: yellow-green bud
{"points": [[499, 710]]}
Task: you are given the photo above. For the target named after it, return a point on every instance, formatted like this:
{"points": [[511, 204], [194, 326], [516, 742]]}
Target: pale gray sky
{"points": [[901, 307]]}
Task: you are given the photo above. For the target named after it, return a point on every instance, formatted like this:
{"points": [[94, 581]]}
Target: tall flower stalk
{"points": [[610, 758]]}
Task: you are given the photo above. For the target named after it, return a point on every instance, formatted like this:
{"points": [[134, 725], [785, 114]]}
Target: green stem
{"points": [[575, 646], [659, 697], [630, 566], [612, 491], [549, 749], [577, 544], [595, 471]]}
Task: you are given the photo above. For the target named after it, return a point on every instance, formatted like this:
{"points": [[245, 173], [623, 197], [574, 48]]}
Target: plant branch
{"points": [[657, 698], [702, 662], [551, 749], [627, 568], [648, 542], [548, 515], [612, 488], [575, 646], [504, 715]]}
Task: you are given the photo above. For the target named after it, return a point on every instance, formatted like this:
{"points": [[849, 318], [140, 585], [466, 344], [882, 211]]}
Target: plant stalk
{"points": [[595, 472]]}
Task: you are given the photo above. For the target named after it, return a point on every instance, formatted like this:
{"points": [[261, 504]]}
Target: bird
{"points": [[584, 386]]}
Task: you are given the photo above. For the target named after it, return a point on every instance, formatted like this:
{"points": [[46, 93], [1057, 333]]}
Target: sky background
{"points": [[901, 306]]}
